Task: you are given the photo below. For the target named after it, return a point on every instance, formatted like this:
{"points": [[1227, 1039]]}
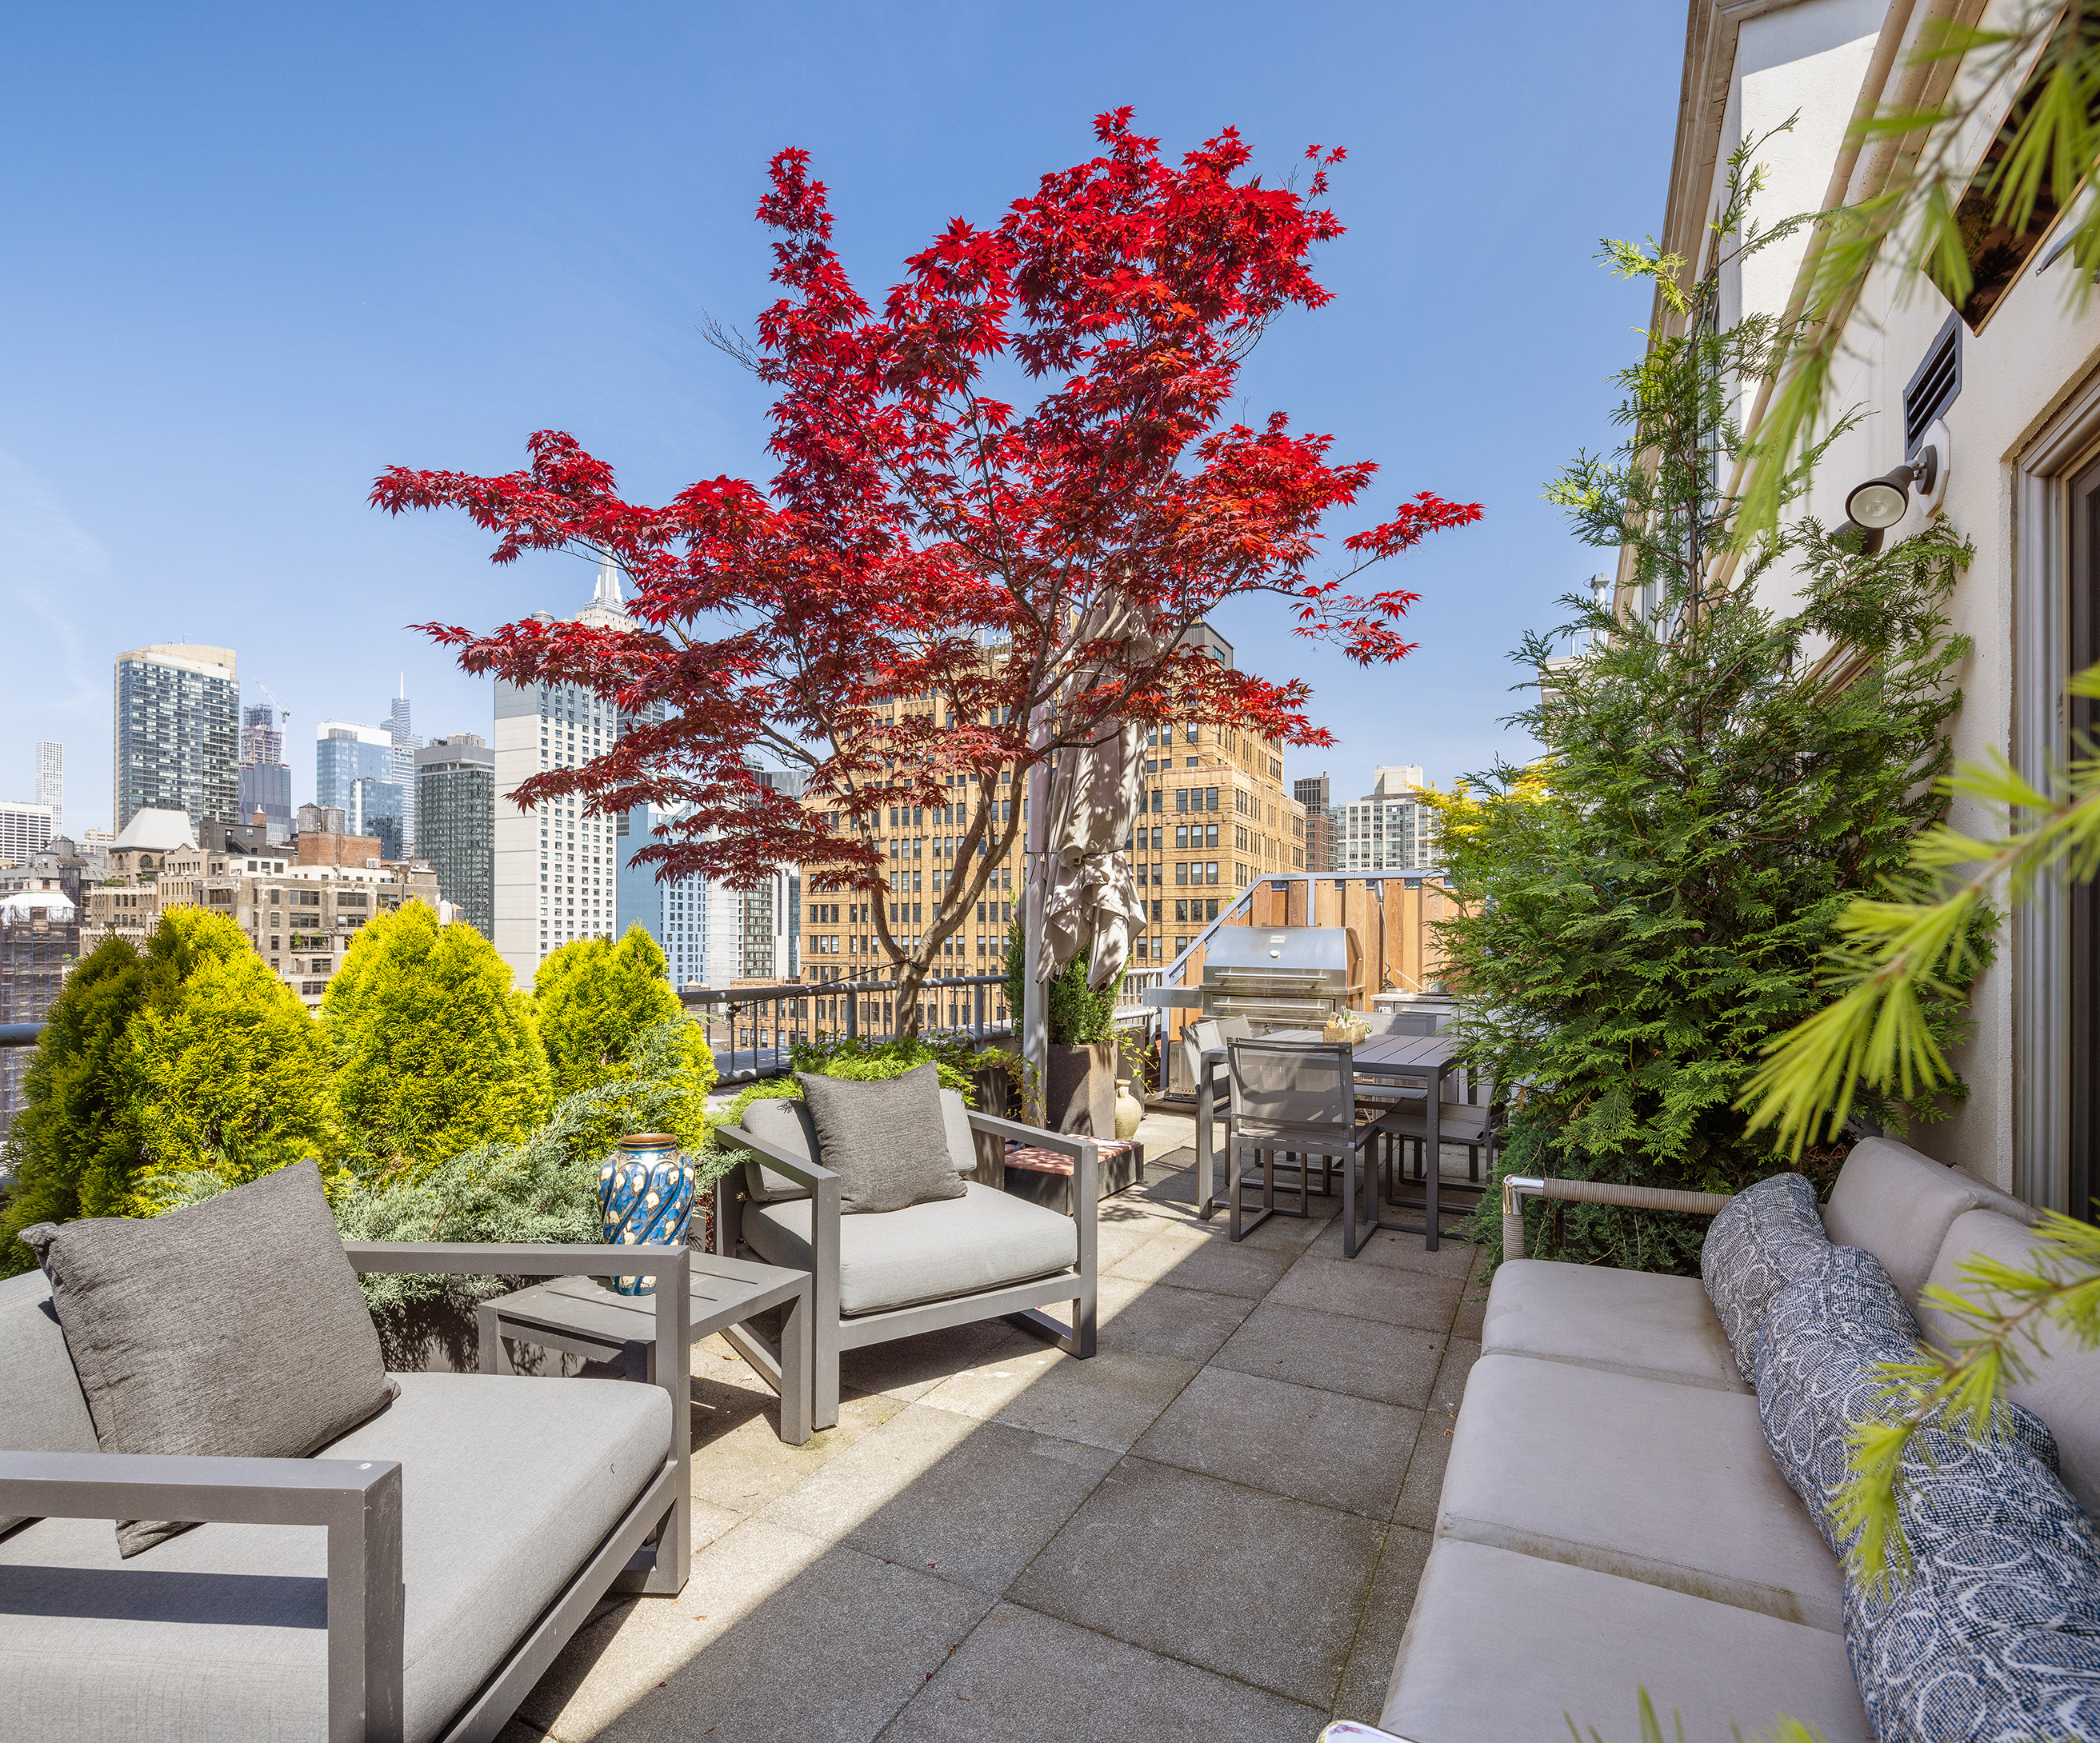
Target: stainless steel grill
{"points": [[1280, 977]]}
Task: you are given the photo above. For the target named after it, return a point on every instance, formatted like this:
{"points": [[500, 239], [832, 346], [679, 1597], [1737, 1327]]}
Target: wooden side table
{"points": [[575, 1314]]}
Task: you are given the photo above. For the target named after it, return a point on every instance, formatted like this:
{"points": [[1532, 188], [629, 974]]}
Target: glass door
{"points": [[2082, 937]]}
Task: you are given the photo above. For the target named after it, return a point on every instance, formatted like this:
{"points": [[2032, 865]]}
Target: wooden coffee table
{"points": [[576, 1315]]}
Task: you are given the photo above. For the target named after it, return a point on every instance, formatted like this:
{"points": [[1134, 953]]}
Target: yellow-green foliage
{"points": [[595, 999], [71, 1150], [436, 1052], [225, 1071]]}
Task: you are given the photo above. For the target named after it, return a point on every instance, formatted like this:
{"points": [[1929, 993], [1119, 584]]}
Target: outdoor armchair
{"points": [[464, 1533], [885, 1275]]}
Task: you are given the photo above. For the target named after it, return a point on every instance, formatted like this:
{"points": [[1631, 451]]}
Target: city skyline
{"points": [[225, 364]]}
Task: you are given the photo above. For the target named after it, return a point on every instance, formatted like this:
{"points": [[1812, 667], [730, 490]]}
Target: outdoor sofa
{"points": [[411, 1581], [1611, 1518]]}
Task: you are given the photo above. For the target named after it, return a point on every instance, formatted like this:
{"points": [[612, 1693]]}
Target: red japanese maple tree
{"points": [[940, 584]]}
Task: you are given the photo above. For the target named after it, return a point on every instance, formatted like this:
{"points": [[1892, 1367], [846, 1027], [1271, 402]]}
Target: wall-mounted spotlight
{"points": [[1877, 504]]}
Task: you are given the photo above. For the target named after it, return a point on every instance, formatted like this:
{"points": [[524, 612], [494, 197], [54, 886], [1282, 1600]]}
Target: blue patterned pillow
{"points": [[1994, 1633], [1764, 1237]]}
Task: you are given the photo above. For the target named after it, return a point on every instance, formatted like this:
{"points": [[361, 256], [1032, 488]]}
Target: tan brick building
{"points": [[1217, 817], [300, 918]]}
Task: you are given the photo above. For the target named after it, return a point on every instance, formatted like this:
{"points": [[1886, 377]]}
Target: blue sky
{"points": [[257, 254]]}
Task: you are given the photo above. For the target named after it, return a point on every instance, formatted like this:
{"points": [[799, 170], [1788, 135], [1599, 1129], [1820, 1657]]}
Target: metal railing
{"points": [[764, 1023]]}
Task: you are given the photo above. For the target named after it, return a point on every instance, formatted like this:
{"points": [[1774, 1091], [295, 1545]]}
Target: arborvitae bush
{"points": [[225, 1069], [435, 1051], [72, 1150], [595, 1001], [1076, 1013]]}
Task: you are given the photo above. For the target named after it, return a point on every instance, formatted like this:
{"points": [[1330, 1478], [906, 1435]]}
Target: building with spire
{"points": [[556, 869], [403, 773]]}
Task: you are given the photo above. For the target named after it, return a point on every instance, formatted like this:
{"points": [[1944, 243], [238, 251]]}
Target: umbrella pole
{"points": [[1035, 1011]]}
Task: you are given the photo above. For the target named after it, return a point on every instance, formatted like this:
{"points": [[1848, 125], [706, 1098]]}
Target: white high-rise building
{"points": [[556, 868], [1389, 829], [25, 830], [50, 781]]}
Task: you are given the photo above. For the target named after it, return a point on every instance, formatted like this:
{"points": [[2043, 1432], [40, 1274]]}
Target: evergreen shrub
{"points": [[1654, 898], [593, 1000], [434, 1052]]}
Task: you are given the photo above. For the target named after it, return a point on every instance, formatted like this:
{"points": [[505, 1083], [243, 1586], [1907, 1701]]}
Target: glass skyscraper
{"points": [[456, 823], [177, 733], [345, 753]]}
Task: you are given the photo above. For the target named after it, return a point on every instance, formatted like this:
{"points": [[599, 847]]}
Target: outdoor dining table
{"points": [[1425, 1059]]}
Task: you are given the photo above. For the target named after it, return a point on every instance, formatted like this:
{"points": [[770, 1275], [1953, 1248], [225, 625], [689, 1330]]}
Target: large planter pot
{"points": [[1080, 1091]]}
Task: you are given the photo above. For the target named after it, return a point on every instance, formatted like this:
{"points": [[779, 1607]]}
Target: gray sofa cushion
{"points": [[2063, 1387], [887, 1138], [1628, 1322], [1763, 1238], [1501, 1646], [507, 1484], [235, 1328], [1899, 1206], [962, 1144], [927, 1252], [45, 1411], [1645, 1479]]}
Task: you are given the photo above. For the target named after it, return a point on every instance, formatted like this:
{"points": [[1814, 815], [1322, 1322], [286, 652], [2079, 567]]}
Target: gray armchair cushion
{"points": [[1899, 1206], [1763, 1238], [784, 1122], [1643, 1479], [1629, 1321], [1501, 1645], [2063, 1386], [962, 1144], [45, 1411], [887, 1140], [235, 1328], [507, 1486], [926, 1252]]}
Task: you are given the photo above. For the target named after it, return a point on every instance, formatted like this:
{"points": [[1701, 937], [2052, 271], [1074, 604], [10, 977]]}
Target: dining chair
{"points": [[1299, 1097], [1475, 1122]]}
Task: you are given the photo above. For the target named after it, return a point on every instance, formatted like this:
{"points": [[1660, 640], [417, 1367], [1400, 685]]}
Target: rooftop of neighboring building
{"points": [[155, 830], [187, 656], [461, 747]]}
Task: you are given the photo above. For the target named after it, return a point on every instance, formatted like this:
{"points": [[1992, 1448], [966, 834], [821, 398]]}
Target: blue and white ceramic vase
{"points": [[644, 1197]]}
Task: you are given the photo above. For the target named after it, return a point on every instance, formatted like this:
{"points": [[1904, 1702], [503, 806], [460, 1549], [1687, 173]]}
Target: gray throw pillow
{"points": [[1762, 1239], [234, 1328], [887, 1140]]}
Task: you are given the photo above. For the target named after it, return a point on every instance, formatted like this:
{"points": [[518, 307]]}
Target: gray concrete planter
{"points": [[1079, 1094]]}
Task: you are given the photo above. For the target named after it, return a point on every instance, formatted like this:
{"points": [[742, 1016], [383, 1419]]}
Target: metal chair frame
{"points": [[1342, 1138]]}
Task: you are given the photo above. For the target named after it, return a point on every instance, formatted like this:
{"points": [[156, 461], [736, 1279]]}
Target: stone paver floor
{"points": [[1211, 1532]]}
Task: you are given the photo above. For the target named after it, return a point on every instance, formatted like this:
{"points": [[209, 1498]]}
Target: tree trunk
{"points": [[910, 975]]}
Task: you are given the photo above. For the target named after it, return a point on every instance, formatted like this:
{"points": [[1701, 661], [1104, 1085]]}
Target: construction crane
{"points": [[274, 702]]}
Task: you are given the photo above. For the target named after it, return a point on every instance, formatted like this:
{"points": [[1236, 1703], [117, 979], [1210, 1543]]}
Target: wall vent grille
{"points": [[1934, 388]]}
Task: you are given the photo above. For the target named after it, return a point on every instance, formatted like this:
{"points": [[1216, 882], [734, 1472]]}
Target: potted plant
{"points": [[1079, 1086]]}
